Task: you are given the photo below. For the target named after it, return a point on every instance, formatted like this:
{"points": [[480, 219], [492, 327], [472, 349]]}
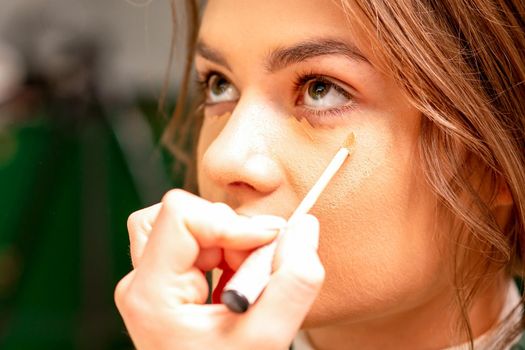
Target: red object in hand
{"points": [[227, 274]]}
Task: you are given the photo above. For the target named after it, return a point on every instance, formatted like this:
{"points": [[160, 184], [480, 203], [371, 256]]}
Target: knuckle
{"points": [[131, 304], [223, 219], [173, 198], [121, 292], [138, 223], [192, 288], [133, 221]]}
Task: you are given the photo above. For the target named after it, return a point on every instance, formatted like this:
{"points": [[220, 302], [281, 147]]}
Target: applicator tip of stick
{"points": [[350, 141]]}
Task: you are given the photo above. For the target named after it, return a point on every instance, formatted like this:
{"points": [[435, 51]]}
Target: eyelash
{"points": [[203, 82], [299, 83], [303, 78]]}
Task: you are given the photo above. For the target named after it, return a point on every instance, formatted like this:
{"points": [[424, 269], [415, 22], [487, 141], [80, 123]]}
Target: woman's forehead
{"points": [[261, 24]]}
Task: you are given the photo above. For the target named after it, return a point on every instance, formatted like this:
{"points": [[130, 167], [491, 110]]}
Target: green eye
{"points": [[318, 89], [320, 93], [218, 85], [219, 89]]}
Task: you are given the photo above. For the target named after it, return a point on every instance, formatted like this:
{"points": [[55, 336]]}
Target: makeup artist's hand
{"points": [[162, 299]]}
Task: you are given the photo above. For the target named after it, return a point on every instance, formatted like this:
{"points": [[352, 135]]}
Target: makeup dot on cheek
{"points": [[332, 205], [370, 156]]}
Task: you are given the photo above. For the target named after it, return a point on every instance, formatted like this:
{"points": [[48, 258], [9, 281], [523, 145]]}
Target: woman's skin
{"points": [[263, 144]]}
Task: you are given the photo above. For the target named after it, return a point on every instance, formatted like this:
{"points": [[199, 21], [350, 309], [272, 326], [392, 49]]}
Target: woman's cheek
{"points": [[377, 227]]}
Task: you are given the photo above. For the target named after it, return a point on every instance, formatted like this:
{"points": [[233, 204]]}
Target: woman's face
{"points": [[286, 84]]}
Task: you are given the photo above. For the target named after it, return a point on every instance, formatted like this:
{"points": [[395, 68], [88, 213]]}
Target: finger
{"points": [[122, 288], [295, 284], [209, 258], [140, 224], [187, 223], [235, 258], [221, 226]]}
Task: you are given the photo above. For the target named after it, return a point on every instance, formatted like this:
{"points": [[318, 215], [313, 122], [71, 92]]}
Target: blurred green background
{"points": [[79, 151]]}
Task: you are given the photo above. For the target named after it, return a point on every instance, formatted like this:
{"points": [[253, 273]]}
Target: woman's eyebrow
{"points": [[211, 54], [282, 57]]}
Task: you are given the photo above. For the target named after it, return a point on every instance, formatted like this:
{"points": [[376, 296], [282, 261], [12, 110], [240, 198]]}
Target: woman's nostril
{"points": [[242, 184]]}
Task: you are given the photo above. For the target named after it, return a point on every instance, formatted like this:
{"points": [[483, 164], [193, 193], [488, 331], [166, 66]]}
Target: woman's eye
{"points": [[322, 94], [219, 89]]}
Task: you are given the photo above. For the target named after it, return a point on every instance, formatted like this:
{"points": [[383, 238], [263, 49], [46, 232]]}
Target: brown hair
{"points": [[462, 64]]}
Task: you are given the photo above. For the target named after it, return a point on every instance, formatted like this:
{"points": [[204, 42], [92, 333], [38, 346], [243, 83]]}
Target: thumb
{"points": [[296, 281]]}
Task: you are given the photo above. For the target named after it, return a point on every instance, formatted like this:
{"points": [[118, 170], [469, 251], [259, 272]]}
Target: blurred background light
{"points": [[79, 151]]}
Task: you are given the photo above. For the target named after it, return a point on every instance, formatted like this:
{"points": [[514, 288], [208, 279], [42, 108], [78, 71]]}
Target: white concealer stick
{"points": [[249, 281]]}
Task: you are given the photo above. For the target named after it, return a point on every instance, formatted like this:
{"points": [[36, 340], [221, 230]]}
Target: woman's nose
{"points": [[243, 155]]}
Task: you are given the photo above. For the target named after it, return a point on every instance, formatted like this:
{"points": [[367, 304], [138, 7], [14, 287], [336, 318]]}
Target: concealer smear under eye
{"points": [[305, 126], [371, 153], [370, 156], [317, 135]]}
